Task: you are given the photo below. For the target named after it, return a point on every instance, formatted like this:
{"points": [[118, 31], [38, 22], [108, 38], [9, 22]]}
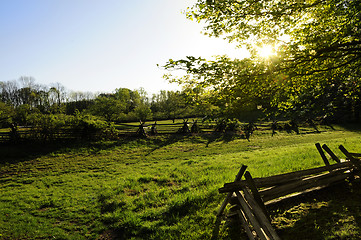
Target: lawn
{"points": [[164, 187]]}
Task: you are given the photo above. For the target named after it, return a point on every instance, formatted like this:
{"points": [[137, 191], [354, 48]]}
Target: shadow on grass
{"points": [[12, 153], [225, 137], [352, 127], [160, 142], [131, 223], [331, 213], [26, 151]]}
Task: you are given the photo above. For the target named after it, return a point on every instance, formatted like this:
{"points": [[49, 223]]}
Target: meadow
{"points": [[166, 187]]}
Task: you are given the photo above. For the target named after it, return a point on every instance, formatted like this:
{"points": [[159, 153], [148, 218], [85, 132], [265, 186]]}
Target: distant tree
{"points": [[143, 112], [22, 113], [9, 92], [6, 114], [123, 95], [107, 107], [61, 93]]}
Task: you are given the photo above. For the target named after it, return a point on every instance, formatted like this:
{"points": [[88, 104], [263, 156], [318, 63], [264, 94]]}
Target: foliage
{"points": [[93, 128], [25, 91], [80, 105], [6, 114], [49, 127], [234, 86], [143, 112], [227, 125], [107, 107], [168, 105], [45, 127], [318, 49], [123, 105]]}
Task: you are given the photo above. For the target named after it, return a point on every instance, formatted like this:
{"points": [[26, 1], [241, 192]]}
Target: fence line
{"points": [[128, 129]]}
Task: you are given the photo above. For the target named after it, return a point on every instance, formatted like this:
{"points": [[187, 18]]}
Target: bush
{"points": [[92, 128], [47, 126], [227, 125], [6, 114]]}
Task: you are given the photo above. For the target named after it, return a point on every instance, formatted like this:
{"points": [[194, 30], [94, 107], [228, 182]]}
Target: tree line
{"points": [[23, 100]]}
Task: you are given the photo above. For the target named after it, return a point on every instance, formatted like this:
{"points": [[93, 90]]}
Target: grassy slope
{"points": [[157, 188]]}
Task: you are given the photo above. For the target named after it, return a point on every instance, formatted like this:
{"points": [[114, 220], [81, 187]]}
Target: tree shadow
{"points": [[171, 139], [12, 153], [27, 151], [218, 136], [330, 213], [352, 127], [327, 213]]}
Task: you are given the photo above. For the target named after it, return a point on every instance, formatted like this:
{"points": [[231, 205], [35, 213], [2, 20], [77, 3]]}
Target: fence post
{"points": [[224, 204]]}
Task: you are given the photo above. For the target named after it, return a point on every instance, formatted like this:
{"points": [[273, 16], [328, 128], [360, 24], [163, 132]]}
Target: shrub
{"points": [[47, 126], [92, 128], [227, 125]]}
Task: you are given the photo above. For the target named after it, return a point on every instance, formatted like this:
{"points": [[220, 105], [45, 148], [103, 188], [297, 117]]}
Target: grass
{"points": [[163, 187]]}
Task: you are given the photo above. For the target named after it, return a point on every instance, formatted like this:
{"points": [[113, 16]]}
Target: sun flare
{"points": [[266, 51]]}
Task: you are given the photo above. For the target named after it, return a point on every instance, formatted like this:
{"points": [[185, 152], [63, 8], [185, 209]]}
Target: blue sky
{"points": [[99, 45]]}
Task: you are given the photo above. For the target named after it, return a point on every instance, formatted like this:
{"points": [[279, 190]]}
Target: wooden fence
{"points": [[171, 128], [28, 134], [251, 196], [136, 129]]}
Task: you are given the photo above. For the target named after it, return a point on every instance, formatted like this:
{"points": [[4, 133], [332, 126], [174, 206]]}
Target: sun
{"points": [[266, 51]]}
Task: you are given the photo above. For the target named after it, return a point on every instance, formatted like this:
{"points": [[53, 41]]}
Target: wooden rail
{"points": [[252, 195]]}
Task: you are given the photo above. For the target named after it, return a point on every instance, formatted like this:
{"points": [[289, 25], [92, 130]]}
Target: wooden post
{"points": [[224, 204], [354, 161], [245, 224], [229, 195], [328, 150], [323, 156], [255, 193], [260, 233], [262, 218]]}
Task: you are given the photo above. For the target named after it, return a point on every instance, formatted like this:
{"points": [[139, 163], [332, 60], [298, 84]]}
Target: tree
{"points": [[9, 91], [6, 114], [317, 41], [317, 29], [168, 104], [143, 112], [233, 86], [107, 107]]}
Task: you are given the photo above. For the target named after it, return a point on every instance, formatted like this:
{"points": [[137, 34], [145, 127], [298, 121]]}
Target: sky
{"points": [[100, 45]]}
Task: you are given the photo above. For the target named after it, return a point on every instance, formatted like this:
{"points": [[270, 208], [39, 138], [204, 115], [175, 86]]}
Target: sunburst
{"points": [[266, 51]]}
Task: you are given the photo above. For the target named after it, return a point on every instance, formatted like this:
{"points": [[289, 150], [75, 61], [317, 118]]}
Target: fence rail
{"points": [[33, 134], [252, 195]]}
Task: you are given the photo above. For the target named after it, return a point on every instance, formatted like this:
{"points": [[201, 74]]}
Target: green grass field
{"points": [[165, 187]]}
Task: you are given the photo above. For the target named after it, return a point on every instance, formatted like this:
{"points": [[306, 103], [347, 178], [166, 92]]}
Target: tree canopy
{"points": [[318, 56]]}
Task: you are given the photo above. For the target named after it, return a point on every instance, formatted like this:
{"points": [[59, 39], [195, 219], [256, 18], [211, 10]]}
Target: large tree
{"points": [[318, 45]]}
